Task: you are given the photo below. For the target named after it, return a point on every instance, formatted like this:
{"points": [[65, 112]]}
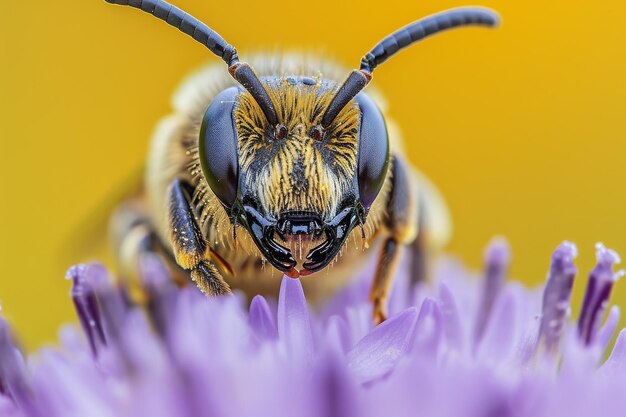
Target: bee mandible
{"points": [[283, 160]]}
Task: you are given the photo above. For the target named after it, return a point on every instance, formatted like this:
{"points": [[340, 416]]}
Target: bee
{"points": [[285, 161]]}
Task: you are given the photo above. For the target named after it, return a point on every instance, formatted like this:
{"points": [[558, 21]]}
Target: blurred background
{"points": [[522, 128]]}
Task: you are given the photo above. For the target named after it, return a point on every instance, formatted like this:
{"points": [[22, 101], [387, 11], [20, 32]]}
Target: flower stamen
{"points": [[556, 295], [601, 280]]}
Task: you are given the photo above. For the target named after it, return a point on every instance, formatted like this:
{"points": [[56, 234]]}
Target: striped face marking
{"points": [[297, 172]]}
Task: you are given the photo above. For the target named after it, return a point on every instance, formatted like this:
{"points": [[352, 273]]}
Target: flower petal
{"points": [[379, 351], [451, 322], [428, 331], [605, 334], [13, 376], [338, 334], [500, 334], [616, 362], [497, 260], [294, 327], [261, 319], [337, 389]]}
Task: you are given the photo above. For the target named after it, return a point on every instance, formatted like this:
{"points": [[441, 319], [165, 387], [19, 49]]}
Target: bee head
{"points": [[301, 184], [289, 157]]}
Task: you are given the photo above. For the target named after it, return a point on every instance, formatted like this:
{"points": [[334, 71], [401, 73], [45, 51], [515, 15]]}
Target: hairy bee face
{"points": [[298, 182], [298, 173]]}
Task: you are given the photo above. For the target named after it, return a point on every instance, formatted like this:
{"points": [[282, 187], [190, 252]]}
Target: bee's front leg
{"points": [[191, 248], [401, 225]]}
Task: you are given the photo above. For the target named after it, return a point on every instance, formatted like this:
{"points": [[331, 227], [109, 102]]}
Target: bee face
{"points": [[297, 180], [300, 171]]}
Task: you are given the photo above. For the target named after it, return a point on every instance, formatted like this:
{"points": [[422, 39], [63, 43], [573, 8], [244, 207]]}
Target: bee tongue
{"points": [[293, 273]]}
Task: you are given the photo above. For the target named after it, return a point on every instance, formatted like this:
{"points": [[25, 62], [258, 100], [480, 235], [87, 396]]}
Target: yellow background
{"points": [[522, 128]]}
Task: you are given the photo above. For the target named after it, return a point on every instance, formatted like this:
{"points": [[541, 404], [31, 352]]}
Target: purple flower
{"points": [[457, 347]]}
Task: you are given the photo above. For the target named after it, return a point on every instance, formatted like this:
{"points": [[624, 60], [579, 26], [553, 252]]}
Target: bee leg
{"points": [[383, 280], [132, 237], [402, 210], [190, 247]]}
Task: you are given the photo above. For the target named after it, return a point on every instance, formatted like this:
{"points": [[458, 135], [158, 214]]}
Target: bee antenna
{"points": [[186, 23], [400, 39]]}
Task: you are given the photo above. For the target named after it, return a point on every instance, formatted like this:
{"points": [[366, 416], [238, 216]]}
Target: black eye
{"points": [[218, 147], [373, 150]]}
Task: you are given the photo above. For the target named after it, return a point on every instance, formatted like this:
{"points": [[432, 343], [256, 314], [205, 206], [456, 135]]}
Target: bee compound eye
{"points": [[373, 152], [218, 147]]}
